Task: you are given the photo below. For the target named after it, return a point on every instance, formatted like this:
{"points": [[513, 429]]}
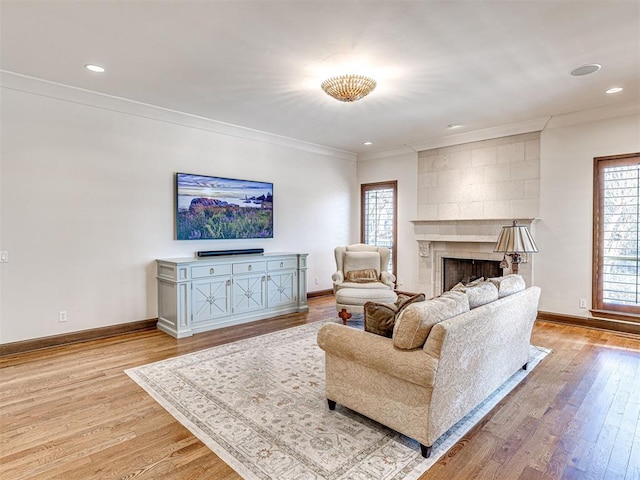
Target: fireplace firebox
{"points": [[467, 270]]}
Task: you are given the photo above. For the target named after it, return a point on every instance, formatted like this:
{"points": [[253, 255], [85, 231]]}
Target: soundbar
{"points": [[216, 253]]}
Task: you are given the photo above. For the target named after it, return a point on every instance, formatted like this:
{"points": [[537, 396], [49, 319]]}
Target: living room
{"points": [[105, 167], [87, 178]]}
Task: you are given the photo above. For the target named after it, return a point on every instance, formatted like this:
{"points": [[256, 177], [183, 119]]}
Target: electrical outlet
{"points": [[4, 257], [316, 281], [62, 316], [583, 303]]}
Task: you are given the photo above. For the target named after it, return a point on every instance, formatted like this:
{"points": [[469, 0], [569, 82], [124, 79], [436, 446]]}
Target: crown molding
{"points": [[36, 86], [535, 125], [593, 114], [382, 154], [529, 126]]}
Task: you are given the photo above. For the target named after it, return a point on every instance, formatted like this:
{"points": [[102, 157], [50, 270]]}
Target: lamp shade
{"points": [[515, 239]]}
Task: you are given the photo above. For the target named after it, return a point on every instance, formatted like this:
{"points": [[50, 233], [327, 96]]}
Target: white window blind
{"points": [[620, 218], [378, 222]]}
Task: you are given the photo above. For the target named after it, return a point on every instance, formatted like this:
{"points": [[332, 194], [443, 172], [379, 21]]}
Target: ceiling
{"points": [[259, 64]]}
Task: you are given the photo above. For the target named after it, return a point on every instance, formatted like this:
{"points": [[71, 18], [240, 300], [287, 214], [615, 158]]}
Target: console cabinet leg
{"points": [[332, 404]]}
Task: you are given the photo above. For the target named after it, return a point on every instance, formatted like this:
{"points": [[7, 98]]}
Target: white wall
{"points": [[404, 169], [87, 203], [564, 235]]}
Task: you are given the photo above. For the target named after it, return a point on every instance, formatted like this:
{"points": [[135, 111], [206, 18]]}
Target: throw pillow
{"points": [[413, 325], [481, 294], [509, 284], [475, 282], [380, 318], [362, 276], [462, 287]]}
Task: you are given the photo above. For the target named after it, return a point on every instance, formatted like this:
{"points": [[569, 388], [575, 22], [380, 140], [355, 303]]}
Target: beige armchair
{"points": [[361, 276]]}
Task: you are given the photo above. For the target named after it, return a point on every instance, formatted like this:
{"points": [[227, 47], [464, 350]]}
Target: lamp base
{"points": [[516, 259]]}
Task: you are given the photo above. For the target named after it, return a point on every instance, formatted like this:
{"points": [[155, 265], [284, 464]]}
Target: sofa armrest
{"points": [[388, 279], [337, 277], [378, 353]]}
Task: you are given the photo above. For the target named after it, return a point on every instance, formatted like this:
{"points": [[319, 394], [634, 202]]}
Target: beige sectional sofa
{"points": [[443, 360]]}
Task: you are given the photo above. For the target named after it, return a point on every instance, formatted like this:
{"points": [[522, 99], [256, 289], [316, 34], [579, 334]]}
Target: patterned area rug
{"points": [[259, 404]]}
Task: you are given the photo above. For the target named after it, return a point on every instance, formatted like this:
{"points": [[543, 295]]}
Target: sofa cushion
{"points": [[509, 284], [479, 293], [364, 286], [354, 261], [414, 323], [380, 318], [360, 296], [362, 276]]}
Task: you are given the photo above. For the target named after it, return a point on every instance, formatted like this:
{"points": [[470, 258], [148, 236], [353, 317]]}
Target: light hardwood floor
{"points": [[71, 413]]}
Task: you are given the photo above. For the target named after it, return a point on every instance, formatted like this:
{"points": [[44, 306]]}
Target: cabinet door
{"points": [[281, 288], [248, 293], [210, 298]]}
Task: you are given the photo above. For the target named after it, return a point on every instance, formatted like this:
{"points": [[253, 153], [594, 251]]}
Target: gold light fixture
{"points": [[514, 240], [348, 88]]}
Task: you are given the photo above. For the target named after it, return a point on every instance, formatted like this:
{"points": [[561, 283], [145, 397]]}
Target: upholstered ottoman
{"points": [[353, 299]]}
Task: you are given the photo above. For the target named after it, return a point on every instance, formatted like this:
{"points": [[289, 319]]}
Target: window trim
{"points": [[393, 184], [627, 312]]}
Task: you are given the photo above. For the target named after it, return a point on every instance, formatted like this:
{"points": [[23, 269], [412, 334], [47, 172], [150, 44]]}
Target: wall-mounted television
{"points": [[214, 208]]}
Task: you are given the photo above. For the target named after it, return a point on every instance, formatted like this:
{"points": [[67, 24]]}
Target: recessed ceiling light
{"points": [[615, 90], [587, 69], [94, 68], [367, 143], [453, 125]]}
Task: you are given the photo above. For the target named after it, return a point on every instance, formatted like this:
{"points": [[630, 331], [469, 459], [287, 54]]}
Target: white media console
{"points": [[200, 294]]}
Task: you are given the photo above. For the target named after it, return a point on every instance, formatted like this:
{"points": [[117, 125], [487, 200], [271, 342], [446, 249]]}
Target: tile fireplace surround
{"points": [[470, 239]]}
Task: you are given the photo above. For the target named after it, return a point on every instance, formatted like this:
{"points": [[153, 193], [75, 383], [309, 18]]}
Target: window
{"points": [[616, 234], [378, 206]]}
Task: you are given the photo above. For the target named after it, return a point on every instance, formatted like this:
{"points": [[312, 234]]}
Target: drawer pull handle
{"points": [[281, 264], [211, 271], [249, 268]]}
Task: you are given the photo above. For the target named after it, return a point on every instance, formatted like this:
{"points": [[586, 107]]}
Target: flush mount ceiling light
{"points": [[587, 69], [348, 88], [367, 143], [94, 68], [614, 90]]}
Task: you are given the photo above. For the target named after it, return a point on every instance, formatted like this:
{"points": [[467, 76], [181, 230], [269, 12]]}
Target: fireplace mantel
{"points": [[473, 239], [472, 230]]}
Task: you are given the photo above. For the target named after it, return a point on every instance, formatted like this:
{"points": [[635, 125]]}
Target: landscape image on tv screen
{"points": [[210, 208]]}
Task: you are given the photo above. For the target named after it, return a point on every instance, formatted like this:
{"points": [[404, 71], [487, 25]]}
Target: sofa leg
{"points": [[425, 451], [332, 404], [525, 366]]}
